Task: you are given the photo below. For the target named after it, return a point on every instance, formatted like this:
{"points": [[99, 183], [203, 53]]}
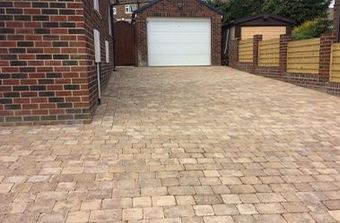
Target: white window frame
{"points": [[96, 5], [107, 51], [128, 9], [114, 10]]}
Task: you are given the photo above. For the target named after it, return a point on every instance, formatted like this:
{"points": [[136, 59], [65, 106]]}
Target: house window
{"points": [[114, 10], [96, 5], [128, 9]]}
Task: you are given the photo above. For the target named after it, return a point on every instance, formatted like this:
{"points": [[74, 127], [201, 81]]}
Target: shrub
{"points": [[312, 29]]}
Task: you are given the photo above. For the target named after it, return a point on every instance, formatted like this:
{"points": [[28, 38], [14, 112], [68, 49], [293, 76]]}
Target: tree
{"points": [[241, 8], [299, 10]]}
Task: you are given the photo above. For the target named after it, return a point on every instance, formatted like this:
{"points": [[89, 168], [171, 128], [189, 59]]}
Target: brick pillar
{"points": [[233, 53], [284, 39], [256, 41], [326, 41], [336, 20]]}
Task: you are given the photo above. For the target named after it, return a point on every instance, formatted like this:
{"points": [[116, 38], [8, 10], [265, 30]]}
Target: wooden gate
{"points": [[124, 33]]}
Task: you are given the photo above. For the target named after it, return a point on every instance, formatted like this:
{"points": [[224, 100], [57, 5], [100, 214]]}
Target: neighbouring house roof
{"points": [[262, 19], [153, 2]]}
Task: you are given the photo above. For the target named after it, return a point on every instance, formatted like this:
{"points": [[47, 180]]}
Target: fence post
{"points": [[326, 41], [256, 41], [284, 39], [233, 53]]}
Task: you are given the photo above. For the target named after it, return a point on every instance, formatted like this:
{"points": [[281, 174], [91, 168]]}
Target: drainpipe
{"points": [[99, 84], [96, 39], [113, 34]]}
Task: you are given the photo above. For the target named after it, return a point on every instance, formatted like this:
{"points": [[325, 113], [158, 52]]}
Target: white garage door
{"points": [[179, 41]]}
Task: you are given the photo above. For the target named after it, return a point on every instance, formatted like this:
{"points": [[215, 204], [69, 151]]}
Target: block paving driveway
{"points": [[171, 145]]}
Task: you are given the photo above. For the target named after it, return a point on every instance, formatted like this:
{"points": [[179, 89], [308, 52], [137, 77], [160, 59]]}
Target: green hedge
{"points": [[312, 29]]}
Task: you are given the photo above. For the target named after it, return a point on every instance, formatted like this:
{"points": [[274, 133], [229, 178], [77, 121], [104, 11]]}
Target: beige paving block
{"points": [[154, 191], [218, 219], [5, 187], [295, 207], [211, 173], [270, 208], [243, 219], [132, 214], [51, 218], [78, 216], [163, 201], [335, 215], [194, 219], [141, 202], [249, 198], [298, 217], [269, 218], [117, 203], [91, 205], [178, 211], [270, 197], [185, 200], [225, 209], [231, 199], [203, 210], [153, 212], [230, 180], [246, 209]]}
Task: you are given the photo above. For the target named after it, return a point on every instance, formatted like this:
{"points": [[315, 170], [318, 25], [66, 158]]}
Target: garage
{"points": [[269, 26], [179, 41], [178, 33]]}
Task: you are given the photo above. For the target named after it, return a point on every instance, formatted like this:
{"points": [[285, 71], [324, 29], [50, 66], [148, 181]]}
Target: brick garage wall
{"points": [[99, 21], [168, 8], [45, 63]]}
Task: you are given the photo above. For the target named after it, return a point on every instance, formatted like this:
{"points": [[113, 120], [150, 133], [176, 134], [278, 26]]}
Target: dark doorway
{"points": [[124, 44]]}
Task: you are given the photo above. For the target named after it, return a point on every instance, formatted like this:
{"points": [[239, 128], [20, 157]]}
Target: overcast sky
{"points": [[332, 4]]}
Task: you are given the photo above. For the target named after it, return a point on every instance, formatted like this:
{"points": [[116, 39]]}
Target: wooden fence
{"points": [[303, 56], [335, 63], [245, 52], [269, 53]]}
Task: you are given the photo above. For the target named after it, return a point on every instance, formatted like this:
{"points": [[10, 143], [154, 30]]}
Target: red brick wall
{"points": [[99, 21], [121, 13], [168, 8], [45, 60]]}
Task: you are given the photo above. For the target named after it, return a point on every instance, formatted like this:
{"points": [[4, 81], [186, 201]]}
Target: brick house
{"points": [[47, 59], [178, 33], [123, 9]]}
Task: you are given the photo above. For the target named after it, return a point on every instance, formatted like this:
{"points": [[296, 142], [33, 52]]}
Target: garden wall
{"points": [[310, 63]]}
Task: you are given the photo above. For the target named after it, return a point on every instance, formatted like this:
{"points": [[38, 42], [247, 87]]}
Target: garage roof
{"points": [[263, 18], [156, 1]]}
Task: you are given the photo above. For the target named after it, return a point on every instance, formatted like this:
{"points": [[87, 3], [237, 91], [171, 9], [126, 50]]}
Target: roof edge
{"points": [[249, 18], [156, 1]]}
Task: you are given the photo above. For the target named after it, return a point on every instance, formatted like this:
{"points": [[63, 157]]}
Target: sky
{"points": [[332, 4]]}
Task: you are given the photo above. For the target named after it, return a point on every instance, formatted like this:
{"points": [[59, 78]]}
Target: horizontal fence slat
{"points": [[335, 63], [269, 51], [245, 53], [303, 56]]}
